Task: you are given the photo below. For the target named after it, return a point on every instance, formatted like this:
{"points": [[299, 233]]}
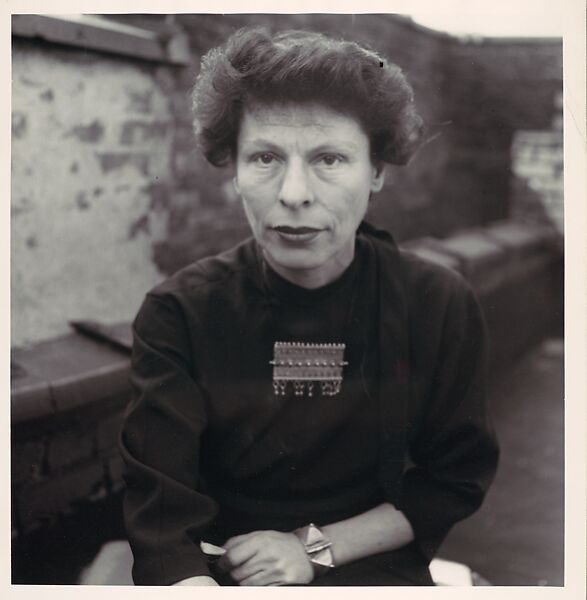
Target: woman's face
{"points": [[305, 175]]}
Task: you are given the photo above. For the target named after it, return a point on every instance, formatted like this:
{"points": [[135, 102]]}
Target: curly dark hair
{"points": [[253, 66]]}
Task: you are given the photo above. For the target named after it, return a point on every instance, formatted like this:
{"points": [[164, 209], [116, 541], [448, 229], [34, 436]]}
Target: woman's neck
{"points": [[313, 278]]}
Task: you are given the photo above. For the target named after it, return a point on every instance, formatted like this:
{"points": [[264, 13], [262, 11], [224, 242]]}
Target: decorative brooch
{"points": [[304, 365]]}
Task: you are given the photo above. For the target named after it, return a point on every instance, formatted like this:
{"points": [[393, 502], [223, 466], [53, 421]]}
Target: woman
{"points": [[312, 401]]}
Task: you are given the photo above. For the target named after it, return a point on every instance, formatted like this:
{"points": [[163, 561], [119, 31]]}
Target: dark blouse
{"points": [[212, 452]]}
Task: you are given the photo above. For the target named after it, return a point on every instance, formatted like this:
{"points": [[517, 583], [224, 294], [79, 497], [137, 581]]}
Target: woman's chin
{"points": [[307, 271], [295, 266]]}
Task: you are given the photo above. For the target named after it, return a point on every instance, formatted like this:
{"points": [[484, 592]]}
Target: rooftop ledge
{"points": [[101, 34]]}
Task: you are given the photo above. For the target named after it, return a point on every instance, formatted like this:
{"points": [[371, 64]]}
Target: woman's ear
{"points": [[377, 178]]}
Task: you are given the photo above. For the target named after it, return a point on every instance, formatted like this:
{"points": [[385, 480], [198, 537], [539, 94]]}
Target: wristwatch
{"points": [[318, 548]]}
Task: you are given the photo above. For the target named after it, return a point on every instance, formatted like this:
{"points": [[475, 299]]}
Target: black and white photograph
{"points": [[287, 298]]}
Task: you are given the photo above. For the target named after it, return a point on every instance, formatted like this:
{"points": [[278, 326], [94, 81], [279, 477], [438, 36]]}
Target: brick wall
{"points": [[68, 396], [537, 165], [109, 194], [205, 215], [460, 178], [493, 89]]}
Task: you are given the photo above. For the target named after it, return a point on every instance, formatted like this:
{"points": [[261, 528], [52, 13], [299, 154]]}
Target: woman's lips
{"points": [[297, 234]]}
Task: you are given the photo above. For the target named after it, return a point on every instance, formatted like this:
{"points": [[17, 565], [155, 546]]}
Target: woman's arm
{"points": [[165, 511], [378, 530], [277, 558], [454, 450]]}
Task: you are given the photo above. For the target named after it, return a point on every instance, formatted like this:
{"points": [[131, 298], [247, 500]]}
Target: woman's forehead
{"points": [[295, 113], [309, 118]]}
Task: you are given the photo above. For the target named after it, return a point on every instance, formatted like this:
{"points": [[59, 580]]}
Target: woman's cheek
{"points": [[267, 183], [258, 182], [329, 175], [258, 199]]}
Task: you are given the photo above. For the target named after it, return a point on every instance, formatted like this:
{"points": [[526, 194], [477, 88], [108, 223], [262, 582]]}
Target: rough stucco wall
{"points": [[91, 152]]}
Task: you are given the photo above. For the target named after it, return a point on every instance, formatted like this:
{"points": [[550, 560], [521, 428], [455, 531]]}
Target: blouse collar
{"points": [[286, 291]]}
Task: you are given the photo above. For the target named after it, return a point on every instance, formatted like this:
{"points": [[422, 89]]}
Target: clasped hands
{"points": [[266, 558]]}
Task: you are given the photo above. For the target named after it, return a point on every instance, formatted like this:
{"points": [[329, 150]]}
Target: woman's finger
{"points": [[261, 578], [236, 540], [248, 569], [238, 554]]}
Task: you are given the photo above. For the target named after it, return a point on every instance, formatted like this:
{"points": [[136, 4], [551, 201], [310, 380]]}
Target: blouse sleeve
{"points": [[454, 452], [165, 513]]}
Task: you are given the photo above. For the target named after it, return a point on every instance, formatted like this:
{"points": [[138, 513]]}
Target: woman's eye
{"points": [[264, 159], [330, 160]]}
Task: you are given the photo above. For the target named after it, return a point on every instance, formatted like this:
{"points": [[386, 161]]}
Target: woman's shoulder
{"points": [[427, 276], [209, 275], [438, 293], [419, 276]]}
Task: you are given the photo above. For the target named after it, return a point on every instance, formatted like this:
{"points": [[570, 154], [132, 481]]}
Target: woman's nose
{"points": [[295, 188]]}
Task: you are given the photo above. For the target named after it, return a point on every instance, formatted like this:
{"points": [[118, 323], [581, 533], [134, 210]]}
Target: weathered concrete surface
{"points": [[91, 154], [517, 538]]}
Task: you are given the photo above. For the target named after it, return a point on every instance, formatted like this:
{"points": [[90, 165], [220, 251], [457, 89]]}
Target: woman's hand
{"points": [[198, 580], [266, 558]]}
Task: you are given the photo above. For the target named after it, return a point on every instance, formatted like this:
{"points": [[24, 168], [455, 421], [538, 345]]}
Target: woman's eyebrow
{"points": [[262, 143], [330, 146], [334, 146]]}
